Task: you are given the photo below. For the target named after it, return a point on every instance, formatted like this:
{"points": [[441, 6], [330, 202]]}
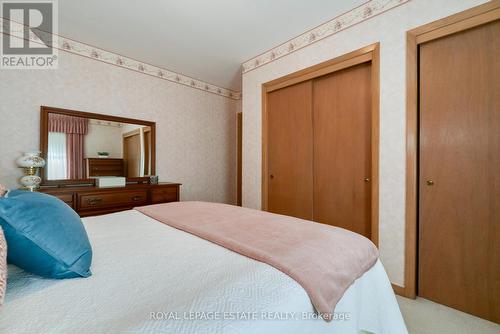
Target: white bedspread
{"points": [[151, 278]]}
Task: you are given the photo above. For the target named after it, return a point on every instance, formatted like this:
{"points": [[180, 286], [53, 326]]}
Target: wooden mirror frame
{"points": [[44, 142]]}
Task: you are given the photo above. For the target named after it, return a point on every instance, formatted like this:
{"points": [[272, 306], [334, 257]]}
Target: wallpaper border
{"points": [[85, 50], [350, 18]]}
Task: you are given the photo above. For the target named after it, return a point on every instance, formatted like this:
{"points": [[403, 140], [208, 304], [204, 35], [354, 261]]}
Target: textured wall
{"points": [[103, 138], [196, 130], [390, 30]]}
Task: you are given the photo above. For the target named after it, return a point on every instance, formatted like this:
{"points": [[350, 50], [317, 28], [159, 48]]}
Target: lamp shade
{"points": [[31, 160]]}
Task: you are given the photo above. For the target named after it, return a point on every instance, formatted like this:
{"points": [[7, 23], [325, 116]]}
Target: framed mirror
{"points": [[79, 147]]}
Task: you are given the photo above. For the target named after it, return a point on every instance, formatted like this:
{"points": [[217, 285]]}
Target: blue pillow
{"points": [[44, 235]]}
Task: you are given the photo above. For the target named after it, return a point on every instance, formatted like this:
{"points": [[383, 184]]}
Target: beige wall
{"points": [[103, 138], [389, 29], [196, 130]]}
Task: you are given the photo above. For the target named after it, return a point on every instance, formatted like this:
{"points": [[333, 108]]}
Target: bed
{"points": [[149, 277]]}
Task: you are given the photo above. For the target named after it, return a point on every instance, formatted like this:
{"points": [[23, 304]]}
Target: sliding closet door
{"points": [[289, 140], [342, 149], [459, 171]]}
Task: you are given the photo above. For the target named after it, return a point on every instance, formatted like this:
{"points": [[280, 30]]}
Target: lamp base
{"points": [[31, 188], [31, 182], [30, 171]]}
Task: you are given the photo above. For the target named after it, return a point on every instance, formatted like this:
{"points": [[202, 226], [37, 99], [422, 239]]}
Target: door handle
{"points": [[271, 176], [136, 198], [94, 201], [367, 179], [430, 182]]}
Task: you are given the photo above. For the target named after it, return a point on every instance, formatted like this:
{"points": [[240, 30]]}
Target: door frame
{"points": [[239, 158], [465, 20], [370, 53]]}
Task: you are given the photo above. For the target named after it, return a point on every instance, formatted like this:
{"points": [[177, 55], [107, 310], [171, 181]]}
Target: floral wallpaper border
{"points": [[357, 15], [85, 50]]}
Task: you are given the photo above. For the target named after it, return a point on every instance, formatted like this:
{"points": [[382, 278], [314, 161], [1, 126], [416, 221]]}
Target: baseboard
{"points": [[401, 291]]}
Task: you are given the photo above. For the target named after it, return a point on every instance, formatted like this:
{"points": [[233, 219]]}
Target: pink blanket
{"points": [[325, 260]]}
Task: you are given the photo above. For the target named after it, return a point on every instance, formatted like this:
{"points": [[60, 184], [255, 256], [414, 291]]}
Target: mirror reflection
{"points": [[84, 148]]}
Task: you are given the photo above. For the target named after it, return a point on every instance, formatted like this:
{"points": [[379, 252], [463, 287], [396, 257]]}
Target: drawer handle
{"points": [[94, 201], [136, 198]]}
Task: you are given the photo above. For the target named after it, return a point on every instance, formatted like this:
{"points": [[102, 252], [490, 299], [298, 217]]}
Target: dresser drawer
{"points": [[104, 167], [164, 195], [114, 199], [65, 197], [93, 201]]}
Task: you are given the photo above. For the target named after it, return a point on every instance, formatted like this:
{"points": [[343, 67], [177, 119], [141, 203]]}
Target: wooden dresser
{"points": [[104, 167], [93, 201]]}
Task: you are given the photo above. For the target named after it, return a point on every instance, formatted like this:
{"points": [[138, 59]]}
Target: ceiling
{"points": [[207, 40]]}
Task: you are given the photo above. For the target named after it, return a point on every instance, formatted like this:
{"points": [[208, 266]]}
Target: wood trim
{"points": [[468, 23], [76, 113], [398, 289], [410, 270], [347, 60], [375, 81], [265, 183], [239, 125], [321, 71], [458, 22], [44, 118], [131, 133], [370, 53]]}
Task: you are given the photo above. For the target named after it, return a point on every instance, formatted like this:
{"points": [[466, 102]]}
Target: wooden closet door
{"points": [[459, 171], [342, 149], [290, 151], [132, 155]]}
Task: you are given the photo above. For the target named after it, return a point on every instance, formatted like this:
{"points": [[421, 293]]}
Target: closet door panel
{"points": [[459, 180], [289, 119], [342, 149]]}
